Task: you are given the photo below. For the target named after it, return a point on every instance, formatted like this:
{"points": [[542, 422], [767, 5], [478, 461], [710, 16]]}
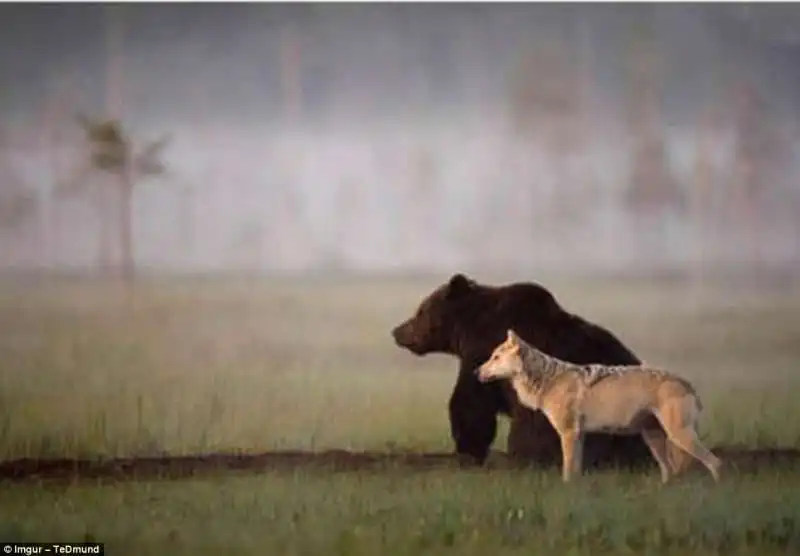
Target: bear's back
{"points": [[533, 312]]}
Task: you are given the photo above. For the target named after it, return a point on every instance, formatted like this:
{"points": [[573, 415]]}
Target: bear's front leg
{"points": [[473, 419], [531, 438]]}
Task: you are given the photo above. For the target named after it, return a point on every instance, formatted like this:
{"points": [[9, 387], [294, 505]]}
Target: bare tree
{"points": [[111, 151], [702, 198], [291, 73], [652, 190], [546, 110], [187, 210], [52, 131], [247, 246], [114, 84], [652, 186], [18, 199], [424, 179], [760, 152]]}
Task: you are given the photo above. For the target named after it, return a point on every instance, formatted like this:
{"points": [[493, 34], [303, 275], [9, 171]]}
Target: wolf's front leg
{"points": [[569, 443], [577, 454]]}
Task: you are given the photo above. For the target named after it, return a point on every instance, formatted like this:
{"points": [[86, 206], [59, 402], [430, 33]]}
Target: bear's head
{"points": [[430, 329]]}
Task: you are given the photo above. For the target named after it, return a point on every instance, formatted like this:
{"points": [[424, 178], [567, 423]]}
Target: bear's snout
{"points": [[400, 335], [397, 333], [404, 337]]}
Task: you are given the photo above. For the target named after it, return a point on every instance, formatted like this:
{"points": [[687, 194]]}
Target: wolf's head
{"points": [[505, 361]]}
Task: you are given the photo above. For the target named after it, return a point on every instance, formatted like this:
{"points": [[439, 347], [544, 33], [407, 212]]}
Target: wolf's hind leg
{"points": [[657, 441], [679, 420]]}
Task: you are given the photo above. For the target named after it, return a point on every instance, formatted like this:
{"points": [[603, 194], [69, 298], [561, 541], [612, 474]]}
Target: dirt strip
{"points": [[740, 460]]}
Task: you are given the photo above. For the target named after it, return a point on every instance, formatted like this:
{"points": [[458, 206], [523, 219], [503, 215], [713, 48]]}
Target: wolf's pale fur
{"points": [[603, 398]]}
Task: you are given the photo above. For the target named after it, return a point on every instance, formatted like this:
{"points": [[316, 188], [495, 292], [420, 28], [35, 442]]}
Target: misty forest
{"points": [[397, 137]]}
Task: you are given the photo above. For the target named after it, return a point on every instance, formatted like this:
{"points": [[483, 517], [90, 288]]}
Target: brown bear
{"points": [[468, 320]]}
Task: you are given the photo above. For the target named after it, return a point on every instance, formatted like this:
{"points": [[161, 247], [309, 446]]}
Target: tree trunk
{"points": [[187, 225], [128, 267], [290, 67], [701, 209], [104, 251]]}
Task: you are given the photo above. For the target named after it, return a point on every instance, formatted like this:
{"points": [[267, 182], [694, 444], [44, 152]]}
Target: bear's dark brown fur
{"points": [[468, 320]]}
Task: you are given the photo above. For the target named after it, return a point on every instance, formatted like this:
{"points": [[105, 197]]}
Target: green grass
{"points": [[395, 512], [179, 367]]}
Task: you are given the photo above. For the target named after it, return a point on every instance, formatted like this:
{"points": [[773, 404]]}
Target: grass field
{"points": [[248, 366]]}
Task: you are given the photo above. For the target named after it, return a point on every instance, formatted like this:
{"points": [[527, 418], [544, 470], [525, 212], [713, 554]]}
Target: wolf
{"points": [[615, 399]]}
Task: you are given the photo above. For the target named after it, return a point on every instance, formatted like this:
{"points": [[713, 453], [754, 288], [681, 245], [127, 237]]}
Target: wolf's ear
{"points": [[512, 337]]}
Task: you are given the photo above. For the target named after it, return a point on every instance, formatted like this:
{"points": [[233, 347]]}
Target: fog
{"points": [[406, 137]]}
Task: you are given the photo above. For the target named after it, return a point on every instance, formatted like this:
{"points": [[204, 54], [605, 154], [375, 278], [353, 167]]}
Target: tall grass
{"points": [[396, 512], [89, 372]]}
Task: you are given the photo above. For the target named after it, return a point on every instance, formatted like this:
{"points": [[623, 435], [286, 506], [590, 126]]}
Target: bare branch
{"points": [[149, 162]]}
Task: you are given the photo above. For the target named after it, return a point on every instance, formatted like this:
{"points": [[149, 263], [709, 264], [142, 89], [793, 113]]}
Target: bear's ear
{"points": [[459, 284]]}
